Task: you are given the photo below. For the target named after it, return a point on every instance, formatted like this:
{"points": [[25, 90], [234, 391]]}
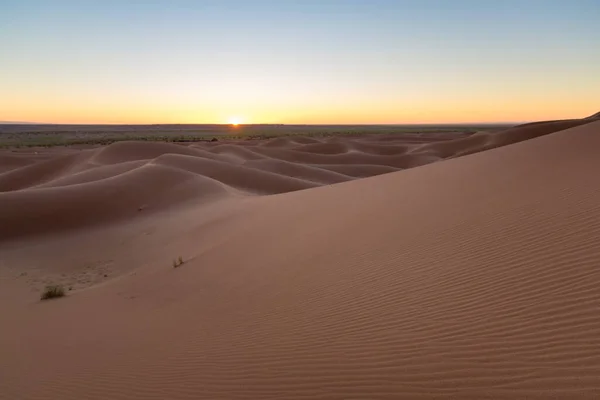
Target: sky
{"points": [[298, 61]]}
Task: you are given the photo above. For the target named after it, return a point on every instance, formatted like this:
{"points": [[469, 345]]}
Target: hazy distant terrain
{"points": [[52, 135]]}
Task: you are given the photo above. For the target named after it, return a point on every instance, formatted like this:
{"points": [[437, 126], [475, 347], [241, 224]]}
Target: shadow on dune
{"points": [[97, 186]]}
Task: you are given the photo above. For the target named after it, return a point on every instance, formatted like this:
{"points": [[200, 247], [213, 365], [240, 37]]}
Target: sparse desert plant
{"points": [[52, 292], [179, 262]]}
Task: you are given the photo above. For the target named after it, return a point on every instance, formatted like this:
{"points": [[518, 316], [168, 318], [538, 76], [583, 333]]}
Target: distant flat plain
{"points": [[33, 135]]}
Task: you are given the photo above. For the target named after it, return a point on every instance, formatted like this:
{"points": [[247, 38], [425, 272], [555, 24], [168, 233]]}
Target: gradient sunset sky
{"points": [[311, 61]]}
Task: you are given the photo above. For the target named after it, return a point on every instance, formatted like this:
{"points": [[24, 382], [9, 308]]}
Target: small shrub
{"points": [[178, 262], [52, 292]]}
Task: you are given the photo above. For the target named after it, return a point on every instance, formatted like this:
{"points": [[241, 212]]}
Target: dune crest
{"points": [[595, 116], [63, 188]]}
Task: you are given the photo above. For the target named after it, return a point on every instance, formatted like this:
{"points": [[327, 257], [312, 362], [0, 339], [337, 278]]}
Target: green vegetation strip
{"points": [[66, 138]]}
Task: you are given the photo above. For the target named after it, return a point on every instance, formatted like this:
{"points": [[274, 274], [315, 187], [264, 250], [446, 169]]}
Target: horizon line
{"points": [[268, 123]]}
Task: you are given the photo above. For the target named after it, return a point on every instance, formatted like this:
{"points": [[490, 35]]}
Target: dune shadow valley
{"points": [[324, 263]]}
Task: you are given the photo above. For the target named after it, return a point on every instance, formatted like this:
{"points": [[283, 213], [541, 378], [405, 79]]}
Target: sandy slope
{"points": [[475, 277]]}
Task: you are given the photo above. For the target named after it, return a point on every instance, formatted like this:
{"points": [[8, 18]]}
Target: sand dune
{"points": [[472, 277], [595, 116], [10, 161], [88, 178]]}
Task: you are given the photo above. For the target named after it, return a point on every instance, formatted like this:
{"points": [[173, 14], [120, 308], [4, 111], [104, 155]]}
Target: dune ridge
{"points": [[474, 277], [595, 116], [28, 205]]}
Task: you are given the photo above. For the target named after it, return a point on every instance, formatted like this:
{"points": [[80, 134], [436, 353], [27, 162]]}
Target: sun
{"points": [[235, 121]]}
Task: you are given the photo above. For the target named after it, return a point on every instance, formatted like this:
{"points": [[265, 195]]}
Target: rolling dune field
{"points": [[390, 266]]}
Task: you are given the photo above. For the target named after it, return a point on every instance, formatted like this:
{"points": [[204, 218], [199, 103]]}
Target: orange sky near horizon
{"points": [[331, 62], [425, 112]]}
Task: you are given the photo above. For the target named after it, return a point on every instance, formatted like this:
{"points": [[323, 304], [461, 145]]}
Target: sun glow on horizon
{"points": [[235, 121]]}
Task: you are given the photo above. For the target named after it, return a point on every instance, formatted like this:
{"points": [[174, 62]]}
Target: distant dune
{"points": [[595, 116], [407, 266]]}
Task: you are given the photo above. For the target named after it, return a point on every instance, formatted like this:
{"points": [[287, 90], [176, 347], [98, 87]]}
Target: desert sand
{"points": [[376, 267]]}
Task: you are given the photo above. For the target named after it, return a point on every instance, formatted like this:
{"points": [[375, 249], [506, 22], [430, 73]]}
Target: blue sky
{"points": [[298, 61]]}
